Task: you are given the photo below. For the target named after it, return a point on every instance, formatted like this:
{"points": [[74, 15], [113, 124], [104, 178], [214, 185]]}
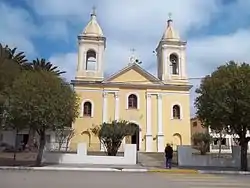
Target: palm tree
{"points": [[42, 64], [20, 57]]}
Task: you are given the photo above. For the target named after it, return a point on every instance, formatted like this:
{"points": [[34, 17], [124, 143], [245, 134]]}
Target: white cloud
{"points": [[55, 30], [133, 24], [207, 53], [148, 18], [17, 28], [59, 8]]}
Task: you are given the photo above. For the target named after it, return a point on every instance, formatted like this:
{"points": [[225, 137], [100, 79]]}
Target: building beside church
{"points": [[159, 105], [227, 140]]}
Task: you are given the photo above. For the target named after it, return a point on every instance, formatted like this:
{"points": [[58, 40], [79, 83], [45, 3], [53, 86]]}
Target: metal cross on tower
{"points": [[170, 16], [133, 58]]}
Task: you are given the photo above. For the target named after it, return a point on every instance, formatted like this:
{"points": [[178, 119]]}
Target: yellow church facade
{"points": [[159, 105]]}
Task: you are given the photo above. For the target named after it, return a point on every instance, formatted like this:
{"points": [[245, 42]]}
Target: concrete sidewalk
{"points": [[123, 168], [104, 168], [98, 168]]}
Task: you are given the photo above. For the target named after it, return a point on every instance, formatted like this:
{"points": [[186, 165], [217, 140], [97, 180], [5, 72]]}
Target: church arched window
{"points": [[91, 62], [87, 109], [176, 112], [132, 101], [174, 63]]}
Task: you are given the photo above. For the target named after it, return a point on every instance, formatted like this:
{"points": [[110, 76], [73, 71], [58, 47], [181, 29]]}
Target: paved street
{"points": [[66, 179]]}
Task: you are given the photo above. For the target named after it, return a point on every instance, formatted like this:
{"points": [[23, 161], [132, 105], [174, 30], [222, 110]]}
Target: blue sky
{"points": [[216, 30]]}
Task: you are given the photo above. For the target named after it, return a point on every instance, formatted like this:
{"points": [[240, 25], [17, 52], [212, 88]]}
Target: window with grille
{"points": [[132, 101], [176, 112], [87, 108]]}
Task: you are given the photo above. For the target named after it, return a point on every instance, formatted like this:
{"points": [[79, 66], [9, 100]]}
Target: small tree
{"points": [[38, 65], [223, 100], [46, 100], [71, 134], [63, 136], [201, 142], [111, 134]]}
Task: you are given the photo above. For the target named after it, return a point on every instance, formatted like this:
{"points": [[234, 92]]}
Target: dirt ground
{"points": [[22, 159]]}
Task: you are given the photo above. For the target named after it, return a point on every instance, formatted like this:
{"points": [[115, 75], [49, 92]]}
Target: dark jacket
{"points": [[169, 152]]}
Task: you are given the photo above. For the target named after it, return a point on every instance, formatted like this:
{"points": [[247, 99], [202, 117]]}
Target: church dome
{"points": [[93, 28], [170, 33]]}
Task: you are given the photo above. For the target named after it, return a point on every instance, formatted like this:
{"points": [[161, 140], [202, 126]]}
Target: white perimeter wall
{"points": [[129, 158]]}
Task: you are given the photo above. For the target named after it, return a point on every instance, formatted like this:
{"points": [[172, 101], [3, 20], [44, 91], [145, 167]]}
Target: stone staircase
{"points": [[156, 160]]}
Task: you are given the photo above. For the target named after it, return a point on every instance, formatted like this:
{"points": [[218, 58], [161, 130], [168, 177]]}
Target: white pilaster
{"points": [[149, 138], [117, 106], [123, 143], [230, 142], [160, 136], [104, 112]]}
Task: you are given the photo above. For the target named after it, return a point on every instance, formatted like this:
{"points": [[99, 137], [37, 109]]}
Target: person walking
{"points": [[168, 156]]}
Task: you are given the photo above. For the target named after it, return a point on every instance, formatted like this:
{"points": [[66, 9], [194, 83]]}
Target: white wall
{"points": [[187, 156], [129, 158], [231, 142]]}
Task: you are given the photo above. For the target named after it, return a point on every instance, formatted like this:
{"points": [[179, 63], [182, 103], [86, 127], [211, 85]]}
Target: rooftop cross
{"points": [[170, 16], [93, 11], [132, 56], [132, 50]]}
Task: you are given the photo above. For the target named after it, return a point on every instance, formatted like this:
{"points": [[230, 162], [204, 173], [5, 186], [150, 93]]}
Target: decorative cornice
{"points": [[83, 37], [180, 87], [159, 96], [86, 37], [173, 44], [148, 95], [104, 94]]}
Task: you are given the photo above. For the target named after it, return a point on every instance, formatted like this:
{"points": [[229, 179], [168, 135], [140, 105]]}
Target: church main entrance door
{"points": [[135, 139]]}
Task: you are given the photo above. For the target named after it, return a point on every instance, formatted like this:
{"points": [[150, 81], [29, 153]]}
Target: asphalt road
{"points": [[67, 179]]}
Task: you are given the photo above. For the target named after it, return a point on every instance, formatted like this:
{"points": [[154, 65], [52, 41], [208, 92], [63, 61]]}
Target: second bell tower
{"points": [[171, 56]]}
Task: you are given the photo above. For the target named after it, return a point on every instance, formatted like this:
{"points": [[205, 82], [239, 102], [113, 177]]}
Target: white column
{"points": [[183, 63], [104, 107], [117, 106], [230, 142], [149, 138], [160, 136], [117, 117], [104, 112], [180, 67]]}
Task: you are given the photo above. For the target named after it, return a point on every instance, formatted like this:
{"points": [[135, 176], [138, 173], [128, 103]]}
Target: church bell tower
{"points": [[171, 56], [91, 48]]}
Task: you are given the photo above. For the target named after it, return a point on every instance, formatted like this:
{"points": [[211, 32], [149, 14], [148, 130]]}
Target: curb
{"points": [[72, 169], [224, 172], [175, 171], [170, 171]]}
